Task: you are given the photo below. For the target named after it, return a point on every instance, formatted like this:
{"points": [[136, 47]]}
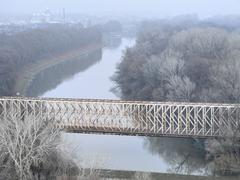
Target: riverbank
{"points": [[26, 74], [128, 175]]}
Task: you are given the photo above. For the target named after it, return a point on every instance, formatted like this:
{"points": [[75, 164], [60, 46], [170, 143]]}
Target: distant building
{"points": [[45, 17]]}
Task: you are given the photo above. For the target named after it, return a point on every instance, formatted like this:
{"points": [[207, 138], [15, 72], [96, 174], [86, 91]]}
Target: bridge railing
{"points": [[126, 117]]}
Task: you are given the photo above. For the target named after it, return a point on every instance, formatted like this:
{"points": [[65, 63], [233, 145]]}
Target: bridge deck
{"points": [[127, 117]]}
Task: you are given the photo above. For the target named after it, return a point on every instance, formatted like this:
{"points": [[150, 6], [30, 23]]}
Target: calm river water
{"points": [[89, 77]]}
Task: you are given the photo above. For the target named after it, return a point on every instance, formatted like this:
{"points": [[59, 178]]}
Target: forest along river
{"points": [[71, 80]]}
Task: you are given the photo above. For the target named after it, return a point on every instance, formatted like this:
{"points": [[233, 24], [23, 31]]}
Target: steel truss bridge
{"points": [[126, 117]]}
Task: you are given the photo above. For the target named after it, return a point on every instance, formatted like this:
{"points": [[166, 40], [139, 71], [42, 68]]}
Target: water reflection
{"points": [[185, 156], [90, 78], [95, 81], [112, 42], [55, 75], [116, 152]]}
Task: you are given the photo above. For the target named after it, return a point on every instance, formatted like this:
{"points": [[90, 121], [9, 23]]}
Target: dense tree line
{"points": [[19, 49], [186, 60], [31, 147], [181, 64]]}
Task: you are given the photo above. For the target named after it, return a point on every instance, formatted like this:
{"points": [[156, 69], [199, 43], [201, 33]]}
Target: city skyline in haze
{"points": [[143, 8]]}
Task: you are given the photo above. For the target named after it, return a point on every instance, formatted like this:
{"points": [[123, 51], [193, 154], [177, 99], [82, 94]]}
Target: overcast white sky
{"points": [[134, 7]]}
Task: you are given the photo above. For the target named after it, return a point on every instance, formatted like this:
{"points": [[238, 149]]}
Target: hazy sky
{"points": [[134, 7]]}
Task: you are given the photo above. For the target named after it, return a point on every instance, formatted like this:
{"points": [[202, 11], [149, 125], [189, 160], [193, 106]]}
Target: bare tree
{"points": [[226, 78], [26, 143], [180, 89], [224, 153], [165, 75], [211, 43]]}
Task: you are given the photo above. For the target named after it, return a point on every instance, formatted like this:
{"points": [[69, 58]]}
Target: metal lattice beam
{"points": [[126, 117]]}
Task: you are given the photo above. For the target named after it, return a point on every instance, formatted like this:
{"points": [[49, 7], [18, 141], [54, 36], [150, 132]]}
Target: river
{"points": [[107, 151]]}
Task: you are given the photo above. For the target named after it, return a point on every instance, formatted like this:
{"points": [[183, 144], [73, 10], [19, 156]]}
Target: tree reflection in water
{"points": [[185, 156], [51, 77]]}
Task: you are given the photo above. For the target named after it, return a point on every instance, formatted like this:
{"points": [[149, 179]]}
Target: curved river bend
{"points": [[112, 152], [72, 80]]}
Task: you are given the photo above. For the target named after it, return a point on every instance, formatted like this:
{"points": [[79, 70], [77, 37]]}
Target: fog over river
{"points": [[93, 81]]}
